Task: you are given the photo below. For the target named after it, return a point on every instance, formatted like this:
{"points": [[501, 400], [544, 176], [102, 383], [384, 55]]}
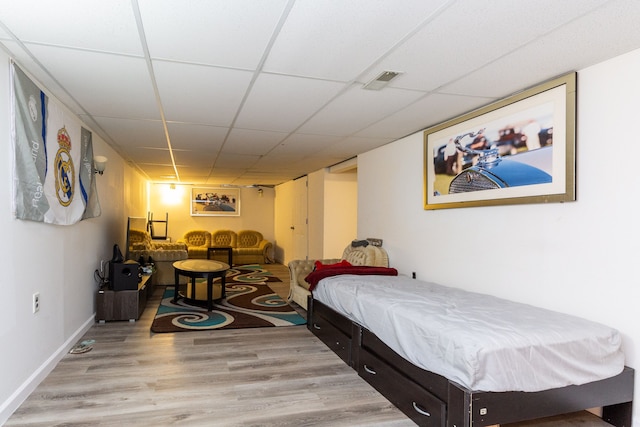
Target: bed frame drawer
{"points": [[336, 339], [417, 403], [435, 384], [342, 323]]}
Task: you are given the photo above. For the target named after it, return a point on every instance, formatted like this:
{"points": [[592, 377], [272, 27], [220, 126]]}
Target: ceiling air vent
{"points": [[381, 80]]}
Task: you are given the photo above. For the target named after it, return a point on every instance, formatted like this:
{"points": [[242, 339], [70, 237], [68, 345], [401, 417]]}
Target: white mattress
{"points": [[481, 342]]}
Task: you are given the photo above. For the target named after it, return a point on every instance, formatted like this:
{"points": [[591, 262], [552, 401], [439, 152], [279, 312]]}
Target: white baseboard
{"points": [[20, 395]]}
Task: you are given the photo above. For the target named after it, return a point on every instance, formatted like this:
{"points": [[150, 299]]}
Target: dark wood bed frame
{"points": [[431, 400]]}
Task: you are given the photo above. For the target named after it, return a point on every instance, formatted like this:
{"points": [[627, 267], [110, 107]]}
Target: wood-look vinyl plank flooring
{"points": [[280, 376], [267, 377]]}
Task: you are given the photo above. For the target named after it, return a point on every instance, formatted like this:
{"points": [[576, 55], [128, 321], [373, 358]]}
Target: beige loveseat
{"points": [[248, 246], [164, 254], [359, 255]]}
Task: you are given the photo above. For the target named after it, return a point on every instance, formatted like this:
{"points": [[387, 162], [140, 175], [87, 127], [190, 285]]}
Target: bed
{"points": [[448, 357]]}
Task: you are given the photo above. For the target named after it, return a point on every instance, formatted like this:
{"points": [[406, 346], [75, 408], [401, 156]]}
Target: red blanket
{"points": [[315, 276]]}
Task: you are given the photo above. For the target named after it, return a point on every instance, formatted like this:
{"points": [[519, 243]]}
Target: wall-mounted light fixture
{"points": [[99, 164], [171, 194], [260, 192]]}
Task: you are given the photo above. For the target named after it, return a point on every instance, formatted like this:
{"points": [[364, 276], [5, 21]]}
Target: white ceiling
{"points": [[248, 92]]}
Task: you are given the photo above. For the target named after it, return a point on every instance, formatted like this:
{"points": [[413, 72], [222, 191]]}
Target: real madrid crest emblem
{"points": [[65, 172]]}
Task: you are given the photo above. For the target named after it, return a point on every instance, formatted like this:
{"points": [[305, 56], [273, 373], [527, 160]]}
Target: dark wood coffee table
{"points": [[228, 249], [198, 269]]}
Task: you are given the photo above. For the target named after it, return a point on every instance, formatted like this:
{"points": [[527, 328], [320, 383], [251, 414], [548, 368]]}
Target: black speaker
{"points": [[124, 275]]}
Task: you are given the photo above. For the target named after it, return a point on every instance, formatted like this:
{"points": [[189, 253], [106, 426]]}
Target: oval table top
{"points": [[200, 265]]}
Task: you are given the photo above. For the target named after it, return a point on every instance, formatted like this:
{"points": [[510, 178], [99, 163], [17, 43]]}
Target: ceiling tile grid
{"points": [[262, 92]]}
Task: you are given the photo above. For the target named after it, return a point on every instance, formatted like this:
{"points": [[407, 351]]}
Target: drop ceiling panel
{"points": [[200, 94], [134, 133], [235, 178], [351, 147], [474, 38], [426, 112], [197, 159], [193, 179], [148, 156], [527, 73], [241, 161], [304, 145], [338, 40], [231, 33], [107, 26], [554, 54], [274, 162], [245, 141], [358, 108], [226, 172], [106, 85], [196, 137], [282, 103], [155, 172], [193, 174]]}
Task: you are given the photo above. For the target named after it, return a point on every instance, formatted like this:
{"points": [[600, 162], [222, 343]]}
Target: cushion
{"points": [[249, 238], [197, 238], [224, 238]]}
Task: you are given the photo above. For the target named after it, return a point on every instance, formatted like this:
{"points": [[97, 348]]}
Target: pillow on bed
{"points": [[320, 266]]}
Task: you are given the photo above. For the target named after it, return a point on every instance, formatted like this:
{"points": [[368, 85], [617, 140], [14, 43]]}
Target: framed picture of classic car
{"points": [[209, 201], [517, 150]]}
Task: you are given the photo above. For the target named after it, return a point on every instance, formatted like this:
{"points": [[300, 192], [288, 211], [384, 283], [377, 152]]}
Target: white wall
{"points": [[340, 212], [315, 214], [56, 261], [333, 207], [331, 214], [578, 258]]}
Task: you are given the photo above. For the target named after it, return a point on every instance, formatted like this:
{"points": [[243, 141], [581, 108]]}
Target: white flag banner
{"points": [[53, 171]]}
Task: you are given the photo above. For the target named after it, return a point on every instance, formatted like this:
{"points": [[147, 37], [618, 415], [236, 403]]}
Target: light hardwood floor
{"points": [[241, 377]]}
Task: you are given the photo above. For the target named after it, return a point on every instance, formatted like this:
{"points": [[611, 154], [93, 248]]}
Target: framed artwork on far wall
{"points": [[213, 201], [517, 150]]}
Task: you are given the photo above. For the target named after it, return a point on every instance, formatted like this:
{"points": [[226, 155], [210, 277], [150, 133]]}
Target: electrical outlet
{"points": [[36, 302]]}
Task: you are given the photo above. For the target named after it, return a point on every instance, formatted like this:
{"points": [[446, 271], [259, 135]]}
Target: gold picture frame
{"points": [[517, 150]]}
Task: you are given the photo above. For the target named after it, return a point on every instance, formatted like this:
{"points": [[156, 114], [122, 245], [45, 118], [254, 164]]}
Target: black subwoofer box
{"points": [[124, 275]]}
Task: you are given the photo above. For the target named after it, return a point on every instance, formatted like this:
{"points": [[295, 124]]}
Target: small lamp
{"points": [[99, 164]]}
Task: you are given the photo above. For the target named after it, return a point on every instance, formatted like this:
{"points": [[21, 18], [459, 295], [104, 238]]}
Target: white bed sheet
{"points": [[479, 341]]}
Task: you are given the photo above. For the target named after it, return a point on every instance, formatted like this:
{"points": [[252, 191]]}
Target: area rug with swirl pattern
{"points": [[249, 303]]}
